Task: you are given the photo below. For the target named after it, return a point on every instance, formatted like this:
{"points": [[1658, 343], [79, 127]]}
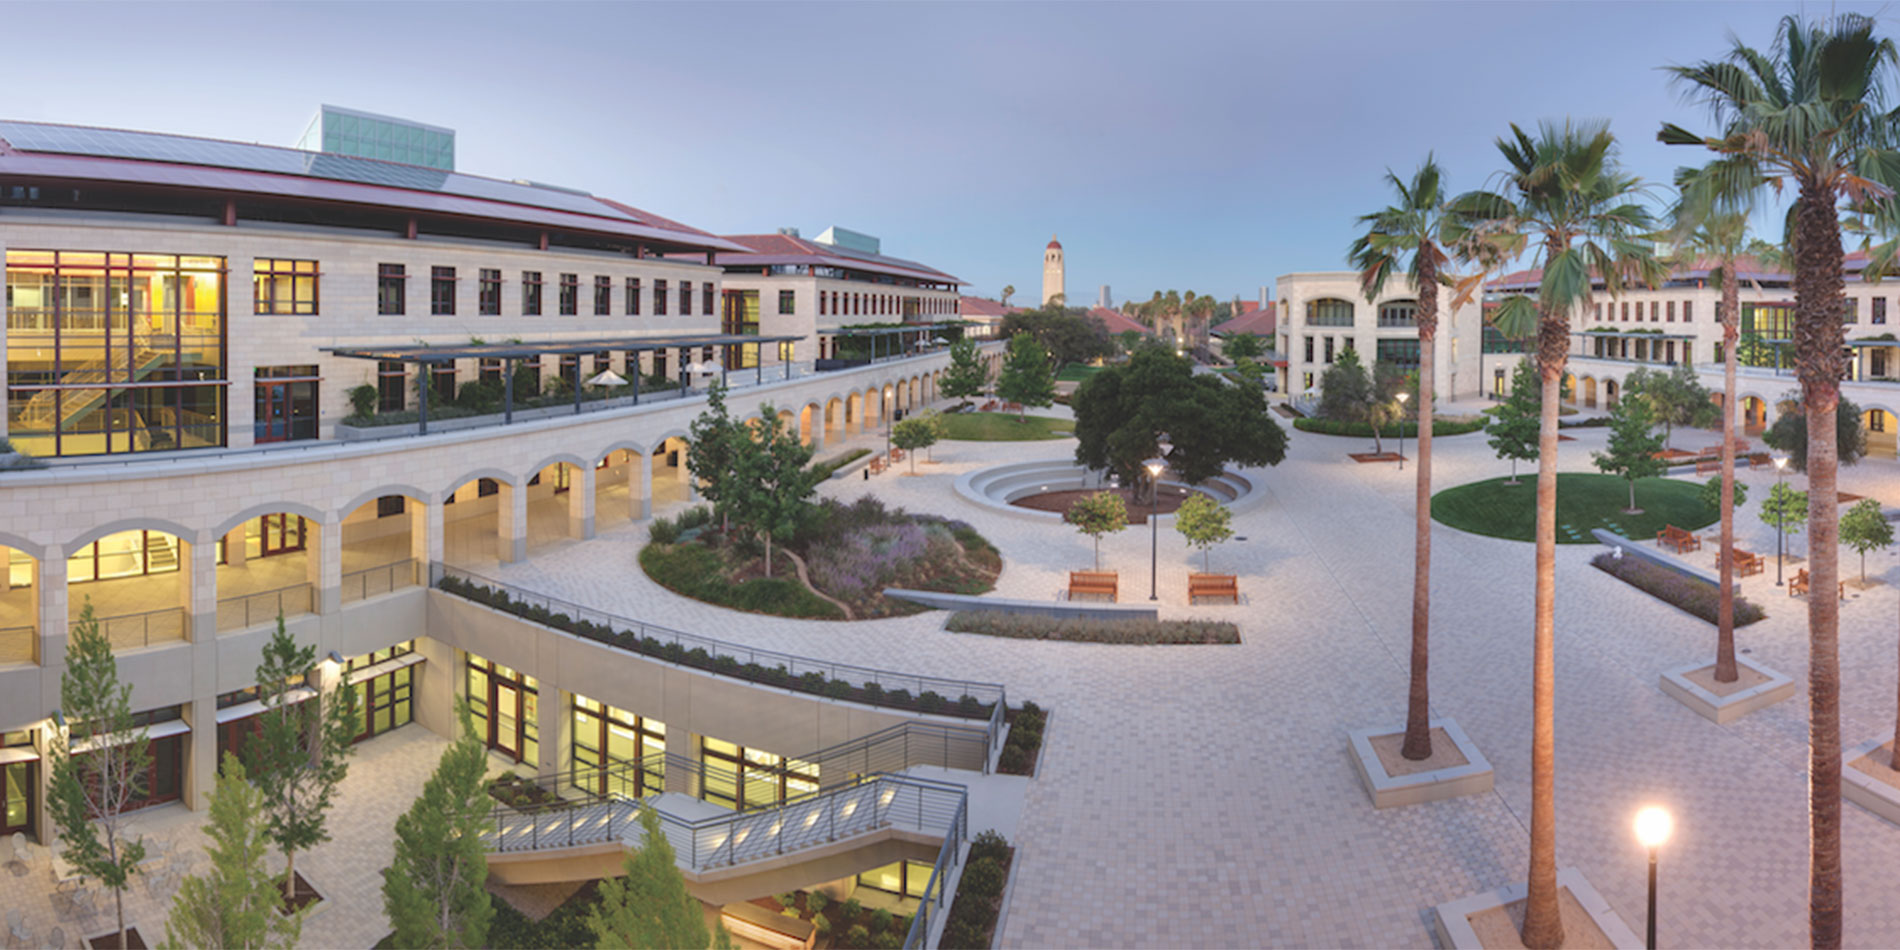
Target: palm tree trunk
{"points": [[1418, 698], [1818, 340], [1725, 671], [1543, 927]]}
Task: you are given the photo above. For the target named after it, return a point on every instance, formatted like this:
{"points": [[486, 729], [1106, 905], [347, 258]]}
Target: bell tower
{"points": [[1052, 284]]}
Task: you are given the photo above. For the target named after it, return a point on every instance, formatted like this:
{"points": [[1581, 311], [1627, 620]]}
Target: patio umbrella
{"points": [[607, 377]]}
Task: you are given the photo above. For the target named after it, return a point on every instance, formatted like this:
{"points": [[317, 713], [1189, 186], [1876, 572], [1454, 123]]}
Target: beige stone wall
{"points": [[1458, 342]]}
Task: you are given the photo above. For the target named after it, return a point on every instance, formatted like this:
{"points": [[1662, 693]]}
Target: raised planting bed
{"points": [[1694, 685], [520, 793], [699, 658], [1691, 594], [1441, 426], [1585, 502], [1131, 631], [979, 899], [1005, 427], [1456, 768], [303, 896], [110, 941], [845, 924], [1492, 919], [830, 466], [1022, 748]]}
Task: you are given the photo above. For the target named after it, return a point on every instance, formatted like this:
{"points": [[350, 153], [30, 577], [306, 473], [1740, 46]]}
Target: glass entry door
{"points": [[505, 706], [16, 797], [284, 410]]}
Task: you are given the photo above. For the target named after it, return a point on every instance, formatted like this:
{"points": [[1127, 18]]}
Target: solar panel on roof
{"points": [[176, 149]]}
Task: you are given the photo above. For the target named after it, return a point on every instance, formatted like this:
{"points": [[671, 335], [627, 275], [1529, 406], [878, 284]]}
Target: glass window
{"points": [[616, 752], [391, 386], [1330, 312], [822, 309], [787, 301], [570, 294], [391, 290], [442, 375], [659, 298], [281, 286], [686, 298], [442, 291], [1853, 311], [743, 778], [530, 293], [284, 403], [1669, 312], [1880, 310], [489, 304], [1687, 310], [603, 296], [706, 293], [633, 296]]}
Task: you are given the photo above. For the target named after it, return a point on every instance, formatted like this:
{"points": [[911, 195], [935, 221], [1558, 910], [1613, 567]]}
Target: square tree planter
{"points": [[1759, 687], [1870, 790], [1464, 770], [1457, 929]]}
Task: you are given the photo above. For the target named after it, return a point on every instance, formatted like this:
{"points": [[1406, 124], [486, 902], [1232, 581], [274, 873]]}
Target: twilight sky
{"points": [[1210, 147]]}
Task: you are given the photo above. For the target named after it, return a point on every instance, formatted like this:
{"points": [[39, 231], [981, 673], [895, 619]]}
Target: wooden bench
{"points": [[1218, 586], [1747, 564], [759, 925], [897, 455], [1682, 541], [878, 464], [989, 406], [1799, 585], [1093, 584], [1708, 466], [1012, 407]]}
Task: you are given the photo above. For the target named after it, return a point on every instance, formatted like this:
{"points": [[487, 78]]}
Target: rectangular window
{"points": [[442, 291], [1306, 382], [822, 311], [1309, 349], [659, 298], [706, 291], [1880, 310], [1329, 349], [787, 301], [1669, 311], [389, 506], [686, 298], [570, 294], [530, 293], [1687, 310], [281, 286], [442, 375], [391, 386], [1853, 311], [1599, 316], [633, 296], [285, 402], [603, 296], [391, 290], [490, 303]]}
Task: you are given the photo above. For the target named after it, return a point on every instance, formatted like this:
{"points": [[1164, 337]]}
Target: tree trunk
{"points": [[1818, 341], [1098, 552], [1418, 697], [1543, 927], [768, 553], [1632, 482], [1725, 671], [290, 876]]}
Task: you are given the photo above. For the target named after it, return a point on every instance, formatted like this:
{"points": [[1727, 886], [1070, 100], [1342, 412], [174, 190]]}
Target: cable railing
{"points": [[248, 610], [19, 645], [381, 579], [935, 902], [909, 691], [126, 631]]}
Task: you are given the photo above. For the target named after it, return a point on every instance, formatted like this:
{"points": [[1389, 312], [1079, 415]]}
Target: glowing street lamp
{"points": [[1652, 829], [1781, 467], [1155, 467], [1402, 398]]}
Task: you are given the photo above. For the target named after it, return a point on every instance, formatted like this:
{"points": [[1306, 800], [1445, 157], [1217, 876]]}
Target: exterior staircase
{"points": [[118, 366]]}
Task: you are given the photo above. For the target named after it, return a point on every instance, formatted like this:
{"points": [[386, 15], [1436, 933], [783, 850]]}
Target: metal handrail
{"points": [[795, 666], [277, 604], [28, 650], [392, 573], [935, 900], [112, 626]]}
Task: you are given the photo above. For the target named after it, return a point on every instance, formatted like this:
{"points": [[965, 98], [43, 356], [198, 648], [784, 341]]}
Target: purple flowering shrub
{"points": [[1694, 595]]}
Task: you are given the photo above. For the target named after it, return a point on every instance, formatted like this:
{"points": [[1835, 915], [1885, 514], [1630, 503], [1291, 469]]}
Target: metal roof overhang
{"points": [[442, 353], [848, 263], [887, 331], [85, 168], [1627, 335]]}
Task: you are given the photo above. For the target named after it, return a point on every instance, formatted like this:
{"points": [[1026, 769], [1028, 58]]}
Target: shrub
{"points": [[852, 908], [1691, 594], [989, 844], [823, 924], [1014, 760], [984, 878], [830, 466], [663, 531], [363, 400], [1145, 632], [1441, 426], [815, 901], [787, 899], [888, 940], [897, 697], [838, 689], [880, 920], [962, 934], [929, 701], [857, 936]]}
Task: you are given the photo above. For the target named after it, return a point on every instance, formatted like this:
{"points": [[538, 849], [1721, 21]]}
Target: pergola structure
{"points": [[1857, 371], [879, 333], [436, 354], [1650, 345]]}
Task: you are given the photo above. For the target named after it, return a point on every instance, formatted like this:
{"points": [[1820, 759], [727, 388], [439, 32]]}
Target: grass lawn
{"points": [[1076, 372], [1003, 427], [1584, 502]]}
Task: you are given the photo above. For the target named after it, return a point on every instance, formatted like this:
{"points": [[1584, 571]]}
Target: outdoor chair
{"points": [[13, 849], [57, 939], [18, 933]]}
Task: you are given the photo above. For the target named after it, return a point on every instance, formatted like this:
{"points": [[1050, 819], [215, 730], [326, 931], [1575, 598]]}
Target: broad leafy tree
{"points": [[1122, 411], [1243, 346], [1631, 452], [1676, 397], [100, 764], [649, 906], [1345, 388], [1408, 236], [1786, 510], [965, 377], [913, 433], [1026, 378], [234, 903], [1204, 522], [301, 752], [1789, 433], [770, 484], [1810, 115], [1096, 515], [1513, 429], [434, 890], [1569, 207], [709, 459], [1711, 493], [1068, 335], [1865, 529]]}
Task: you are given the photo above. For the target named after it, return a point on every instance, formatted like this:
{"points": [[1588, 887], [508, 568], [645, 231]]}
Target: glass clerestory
{"points": [[114, 352]]}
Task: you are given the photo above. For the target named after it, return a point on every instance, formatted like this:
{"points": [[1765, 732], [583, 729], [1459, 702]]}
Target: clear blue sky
{"points": [[1207, 147]]}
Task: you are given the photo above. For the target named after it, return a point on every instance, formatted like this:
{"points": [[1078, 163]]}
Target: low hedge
{"points": [[1024, 742], [696, 571], [979, 897], [1441, 426], [966, 707], [1691, 594], [1037, 627], [830, 466]]}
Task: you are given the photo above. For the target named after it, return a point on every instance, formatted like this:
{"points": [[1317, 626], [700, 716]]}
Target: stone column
{"points": [[323, 567], [54, 622], [552, 727], [198, 588], [511, 521], [639, 486], [235, 553], [580, 504], [680, 778], [425, 538]]}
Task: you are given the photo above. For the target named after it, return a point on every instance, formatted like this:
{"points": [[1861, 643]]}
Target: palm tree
{"points": [[1569, 204], [1200, 311], [1410, 235], [1811, 112], [1009, 290], [1702, 232]]}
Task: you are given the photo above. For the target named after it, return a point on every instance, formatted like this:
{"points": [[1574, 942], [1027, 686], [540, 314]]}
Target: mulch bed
{"points": [[1566, 438], [1364, 457], [1061, 501], [306, 896], [1674, 454], [1848, 498], [111, 941]]}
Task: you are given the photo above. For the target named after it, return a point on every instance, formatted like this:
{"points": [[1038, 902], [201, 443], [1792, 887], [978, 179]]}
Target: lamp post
{"points": [[1402, 399], [1781, 467], [1155, 467], [1652, 829]]}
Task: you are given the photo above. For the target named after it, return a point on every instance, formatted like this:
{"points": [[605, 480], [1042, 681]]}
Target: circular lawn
{"points": [[1584, 502]]}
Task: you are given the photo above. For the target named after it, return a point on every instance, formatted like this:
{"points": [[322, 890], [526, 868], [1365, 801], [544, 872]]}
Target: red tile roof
{"points": [[1055, 243], [1116, 322], [1260, 321], [769, 249], [983, 307]]}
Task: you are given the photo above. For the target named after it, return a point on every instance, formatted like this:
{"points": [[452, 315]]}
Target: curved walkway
{"points": [[1212, 785]]}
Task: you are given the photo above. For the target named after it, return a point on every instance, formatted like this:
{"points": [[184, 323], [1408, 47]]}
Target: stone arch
{"points": [[811, 424], [1610, 390], [1589, 392], [637, 448], [172, 528], [1754, 413], [268, 508], [37, 550], [1882, 425], [567, 458]]}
